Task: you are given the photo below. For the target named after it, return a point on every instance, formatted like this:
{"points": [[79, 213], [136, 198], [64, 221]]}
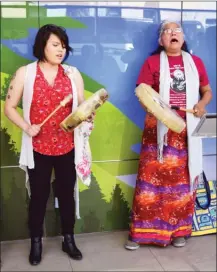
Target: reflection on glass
{"points": [[13, 13], [3, 3], [200, 5], [111, 40]]}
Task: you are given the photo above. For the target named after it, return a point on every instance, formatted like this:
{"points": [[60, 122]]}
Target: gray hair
{"points": [[166, 22]]}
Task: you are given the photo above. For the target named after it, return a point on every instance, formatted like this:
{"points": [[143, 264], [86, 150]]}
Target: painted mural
{"points": [[109, 51]]}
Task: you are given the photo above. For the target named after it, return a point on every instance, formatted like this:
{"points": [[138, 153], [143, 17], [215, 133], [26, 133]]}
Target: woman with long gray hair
{"points": [[164, 196]]}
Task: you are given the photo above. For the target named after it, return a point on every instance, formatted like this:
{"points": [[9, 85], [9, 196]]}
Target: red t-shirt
{"points": [[51, 140], [150, 74]]}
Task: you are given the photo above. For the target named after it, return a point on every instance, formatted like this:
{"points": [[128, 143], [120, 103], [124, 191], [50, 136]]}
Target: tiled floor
{"points": [[105, 252]]}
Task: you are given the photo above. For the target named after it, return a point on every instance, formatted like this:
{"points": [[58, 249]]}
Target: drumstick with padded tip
{"points": [[183, 109], [67, 99]]}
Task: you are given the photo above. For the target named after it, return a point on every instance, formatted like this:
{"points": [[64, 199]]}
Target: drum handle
{"points": [[182, 109], [62, 104]]}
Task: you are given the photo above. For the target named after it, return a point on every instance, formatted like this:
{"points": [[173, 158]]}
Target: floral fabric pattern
{"points": [[51, 140]]}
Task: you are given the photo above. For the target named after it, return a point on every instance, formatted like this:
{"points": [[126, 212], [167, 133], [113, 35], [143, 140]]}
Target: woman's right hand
{"points": [[33, 130]]}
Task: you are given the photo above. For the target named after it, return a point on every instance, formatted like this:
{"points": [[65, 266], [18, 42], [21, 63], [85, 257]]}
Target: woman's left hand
{"points": [[91, 117], [199, 109]]}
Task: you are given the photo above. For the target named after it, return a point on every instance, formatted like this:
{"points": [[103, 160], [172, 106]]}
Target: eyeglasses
{"points": [[170, 30]]}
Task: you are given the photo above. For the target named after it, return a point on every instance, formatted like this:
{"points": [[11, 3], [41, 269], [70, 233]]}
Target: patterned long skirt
{"points": [[163, 205]]}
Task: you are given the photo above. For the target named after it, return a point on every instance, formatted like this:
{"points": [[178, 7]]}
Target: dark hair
{"points": [[161, 48], [43, 36]]}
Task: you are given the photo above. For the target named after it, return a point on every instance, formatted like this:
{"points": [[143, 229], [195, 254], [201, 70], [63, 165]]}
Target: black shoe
{"points": [[36, 250], [69, 246]]}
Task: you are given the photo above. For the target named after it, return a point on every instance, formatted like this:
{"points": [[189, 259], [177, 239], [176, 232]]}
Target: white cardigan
{"points": [[81, 142]]}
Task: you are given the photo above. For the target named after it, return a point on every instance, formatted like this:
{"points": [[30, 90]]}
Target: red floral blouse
{"points": [[51, 140]]}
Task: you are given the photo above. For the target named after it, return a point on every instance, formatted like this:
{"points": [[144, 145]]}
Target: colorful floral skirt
{"points": [[163, 205]]}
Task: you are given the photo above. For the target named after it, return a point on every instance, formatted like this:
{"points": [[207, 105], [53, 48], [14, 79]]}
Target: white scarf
{"points": [[195, 155], [81, 134]]}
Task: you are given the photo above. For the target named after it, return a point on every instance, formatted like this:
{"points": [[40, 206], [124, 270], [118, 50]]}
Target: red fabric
{"points": [[150, 73], [163, 205], [51, 140]]}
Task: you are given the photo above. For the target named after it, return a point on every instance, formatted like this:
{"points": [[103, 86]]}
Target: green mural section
{"points": [[105, 204], [22, 27], [17, 29], [14, 132], [16, 61]]}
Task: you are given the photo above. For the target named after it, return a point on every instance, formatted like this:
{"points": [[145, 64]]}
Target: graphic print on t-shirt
{"points": [[177, 86], [178, 83]]}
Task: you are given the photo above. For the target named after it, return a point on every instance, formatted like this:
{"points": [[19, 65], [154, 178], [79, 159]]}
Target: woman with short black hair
{"points": [[43, 85]]}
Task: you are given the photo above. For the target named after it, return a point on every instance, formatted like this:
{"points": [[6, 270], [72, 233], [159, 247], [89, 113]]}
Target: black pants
{"points": [[39, 178]]}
